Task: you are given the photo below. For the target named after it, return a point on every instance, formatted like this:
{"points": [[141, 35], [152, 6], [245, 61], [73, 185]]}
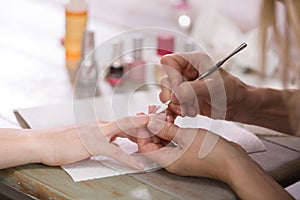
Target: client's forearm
{"points": [[272, 109], [17, 148]]}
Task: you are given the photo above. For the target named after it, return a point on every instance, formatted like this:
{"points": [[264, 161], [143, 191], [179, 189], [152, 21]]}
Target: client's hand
{"points": [[68, 144]]}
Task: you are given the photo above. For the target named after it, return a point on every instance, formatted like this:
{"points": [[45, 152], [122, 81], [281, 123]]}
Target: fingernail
{"points": [[151, 108], [169, 118], [173, 98], [155, 125], [140, 165], [155, 140], [161, 116]]}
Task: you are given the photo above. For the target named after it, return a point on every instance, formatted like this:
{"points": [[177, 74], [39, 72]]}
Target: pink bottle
{"points": [[165, 45], [137, 66], [116, 69]]}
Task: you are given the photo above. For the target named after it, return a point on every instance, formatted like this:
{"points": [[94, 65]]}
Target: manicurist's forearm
{"points": [[249, 181], [270, 108], [17, 147]]}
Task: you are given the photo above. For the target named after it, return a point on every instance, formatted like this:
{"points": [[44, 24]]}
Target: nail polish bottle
{"points": [[85, 84], [76, 22], [165, 45], [137, 66], [116, 69]]}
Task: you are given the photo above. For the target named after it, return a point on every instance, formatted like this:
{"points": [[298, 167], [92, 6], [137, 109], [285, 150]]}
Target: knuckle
{"points": [[168, 131]]}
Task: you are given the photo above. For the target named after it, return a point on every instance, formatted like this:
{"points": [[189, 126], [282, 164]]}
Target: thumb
{"points": [[170, 132], [165, 130]]}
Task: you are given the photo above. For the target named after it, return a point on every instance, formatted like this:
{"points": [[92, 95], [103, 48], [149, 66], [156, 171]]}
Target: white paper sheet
{"points": [[229, 130], [110, 108], [101, 166]]}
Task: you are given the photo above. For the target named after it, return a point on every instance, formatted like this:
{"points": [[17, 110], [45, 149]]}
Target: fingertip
{"points": [[141, 120], [127, 159], [174, 99], [170, 118], [165, 59], [160, 116], [175, 108], [139, 165], [134, 163], [164, 95], [155, 125], [127, 124]]}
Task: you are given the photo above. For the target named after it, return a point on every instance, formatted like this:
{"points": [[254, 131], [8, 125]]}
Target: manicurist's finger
{"points": [[168, 131], [166, 90], [163, 129], [172, 68]]}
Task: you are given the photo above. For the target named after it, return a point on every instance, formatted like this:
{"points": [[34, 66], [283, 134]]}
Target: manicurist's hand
{"points": [[220, 95], [225, 161], [68, 144], [183, 158]]}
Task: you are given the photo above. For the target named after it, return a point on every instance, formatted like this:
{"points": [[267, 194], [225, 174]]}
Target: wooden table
{"points": [[33, 73], [45, 182]]}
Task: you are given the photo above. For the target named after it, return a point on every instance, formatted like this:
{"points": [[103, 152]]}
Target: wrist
{"points": [[256, 104], [226, 156], [249, 181], [232, 159], [249, 105], [238, 167], [240, 101], [245, 177], [35, 146], [268, 108]]}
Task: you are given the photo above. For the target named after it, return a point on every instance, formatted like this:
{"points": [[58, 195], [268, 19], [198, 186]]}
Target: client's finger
{"points": [[125, 126], [118, 154], [152, 109]]}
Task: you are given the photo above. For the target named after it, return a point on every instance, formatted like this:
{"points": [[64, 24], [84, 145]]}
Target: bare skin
{"points": [[276, 109], [62, 145], [227, 161], [270, 108]]}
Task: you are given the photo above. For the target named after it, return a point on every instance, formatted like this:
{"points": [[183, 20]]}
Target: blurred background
{"points": [[32, 54]]}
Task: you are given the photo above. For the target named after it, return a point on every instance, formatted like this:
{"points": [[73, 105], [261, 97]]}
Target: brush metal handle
{"points": [[221, 62]]}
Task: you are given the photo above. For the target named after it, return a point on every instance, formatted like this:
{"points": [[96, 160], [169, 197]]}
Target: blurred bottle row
{"points": [[120, 67], [125, 67]]}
